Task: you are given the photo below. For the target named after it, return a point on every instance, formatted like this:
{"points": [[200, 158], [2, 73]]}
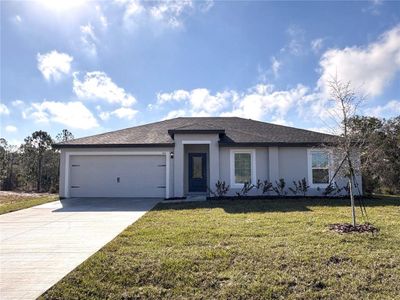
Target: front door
{"points": [[197, 172]]}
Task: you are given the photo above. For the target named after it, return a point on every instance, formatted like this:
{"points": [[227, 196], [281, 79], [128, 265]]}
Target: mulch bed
{"points": [[348, 228]]}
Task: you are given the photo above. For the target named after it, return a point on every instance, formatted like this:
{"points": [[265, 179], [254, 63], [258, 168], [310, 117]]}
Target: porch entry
{"points": [[197, 172]]}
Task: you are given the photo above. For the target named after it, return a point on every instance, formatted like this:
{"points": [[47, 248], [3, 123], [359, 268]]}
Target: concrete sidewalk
{"points": [[41, 244]]}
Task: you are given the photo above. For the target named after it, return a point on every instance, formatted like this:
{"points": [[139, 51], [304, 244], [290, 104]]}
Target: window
{"points": [[243, 167], [197, 167], [319, 174]]}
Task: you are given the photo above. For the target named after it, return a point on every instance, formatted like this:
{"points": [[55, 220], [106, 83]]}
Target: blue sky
{"points": [[93, 66]]}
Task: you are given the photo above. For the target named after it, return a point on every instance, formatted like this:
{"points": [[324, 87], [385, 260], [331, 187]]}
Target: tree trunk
{"points": [[39, 179], [353, 208]]}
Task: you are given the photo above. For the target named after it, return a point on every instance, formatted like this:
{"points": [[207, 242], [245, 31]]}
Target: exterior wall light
{"points": [[171, 155]]}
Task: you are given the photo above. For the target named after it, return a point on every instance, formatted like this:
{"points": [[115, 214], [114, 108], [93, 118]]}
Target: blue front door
{"points": [[197, 172]]}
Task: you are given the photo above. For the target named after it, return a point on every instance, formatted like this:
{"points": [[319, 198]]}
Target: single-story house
{"points": [[188, 156]]}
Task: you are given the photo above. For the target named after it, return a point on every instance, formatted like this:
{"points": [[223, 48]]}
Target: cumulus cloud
{"points": [[121, 113], [72, 114], [4, 109], [17, 103], [54, 65], [200, 101], [369, 69], [11, 128], [259, 102], [125, 113], [390, 109], [98, 86], [176, 113], [178, 95], [263, 101]]}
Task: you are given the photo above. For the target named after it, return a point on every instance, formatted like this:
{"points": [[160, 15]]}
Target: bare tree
{"points": [[346, 102]]}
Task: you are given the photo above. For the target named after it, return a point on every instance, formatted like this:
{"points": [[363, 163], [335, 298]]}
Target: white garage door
{"points": [[117, 176]]}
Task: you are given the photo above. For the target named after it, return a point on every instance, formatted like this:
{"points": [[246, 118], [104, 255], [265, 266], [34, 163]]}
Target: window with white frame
{"points": [[242, 167], [319, 174]]}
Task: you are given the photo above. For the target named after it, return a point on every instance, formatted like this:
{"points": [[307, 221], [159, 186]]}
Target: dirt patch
{"points": [[348, 228], [10, 196]]}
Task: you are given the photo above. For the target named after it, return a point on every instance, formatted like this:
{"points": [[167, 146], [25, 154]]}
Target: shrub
{"points": [[221, 189], [279, 189], [334, 189], [301, 186], [247, 187]]}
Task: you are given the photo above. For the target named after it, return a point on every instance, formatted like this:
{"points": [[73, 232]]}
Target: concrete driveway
{"points": [[40, 245]]}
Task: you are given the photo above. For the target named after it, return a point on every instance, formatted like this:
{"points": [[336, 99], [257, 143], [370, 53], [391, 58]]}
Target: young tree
{"points": [[33, 151], [346, 102]]}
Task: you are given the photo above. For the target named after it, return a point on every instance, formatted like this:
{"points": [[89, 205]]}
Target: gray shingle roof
{"points": [[234, 131]]}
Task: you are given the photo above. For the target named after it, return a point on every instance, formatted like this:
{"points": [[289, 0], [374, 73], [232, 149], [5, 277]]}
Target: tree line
{"points": [[34, 165]]}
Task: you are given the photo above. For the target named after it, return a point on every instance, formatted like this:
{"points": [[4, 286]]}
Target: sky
{"points": [[92, 67]]}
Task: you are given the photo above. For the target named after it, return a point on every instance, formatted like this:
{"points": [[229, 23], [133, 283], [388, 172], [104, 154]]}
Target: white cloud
{"points": [[125, 113], [259, 102], [262, 101], [200, 101], [295, 45], [369, 69], [169, 13], [17, 103], [11, 128], [390, 109], [102, 18], [89, 39], [275, 66], [176, 113], [54, 65], [4, 109], [71, 114], [316, 45], [178, 95], [121, 113], [98, 86]]}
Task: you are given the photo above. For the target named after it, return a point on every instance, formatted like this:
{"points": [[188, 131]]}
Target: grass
{"points": [[257, 249], [15, 201]]}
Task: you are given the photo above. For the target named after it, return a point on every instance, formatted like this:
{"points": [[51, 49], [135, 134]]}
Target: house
{"points": [[185, 156]]}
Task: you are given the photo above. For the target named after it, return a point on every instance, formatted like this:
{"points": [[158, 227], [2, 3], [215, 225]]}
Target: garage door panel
{"points": [[117, 176]]}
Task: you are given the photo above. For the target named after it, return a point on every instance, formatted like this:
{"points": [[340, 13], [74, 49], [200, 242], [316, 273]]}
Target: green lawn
{"points": [[254, 249], [15, 201]]}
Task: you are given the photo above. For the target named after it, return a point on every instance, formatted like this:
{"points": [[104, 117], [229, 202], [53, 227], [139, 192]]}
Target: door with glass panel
{"points": [[197, 172]]}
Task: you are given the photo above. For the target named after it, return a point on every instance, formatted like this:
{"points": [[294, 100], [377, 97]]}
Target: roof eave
{"points": [[276, 144], [158, 145], [172, 132]]}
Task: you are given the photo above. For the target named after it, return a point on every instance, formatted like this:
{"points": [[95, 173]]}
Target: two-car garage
{"points": [[116, 175]]}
